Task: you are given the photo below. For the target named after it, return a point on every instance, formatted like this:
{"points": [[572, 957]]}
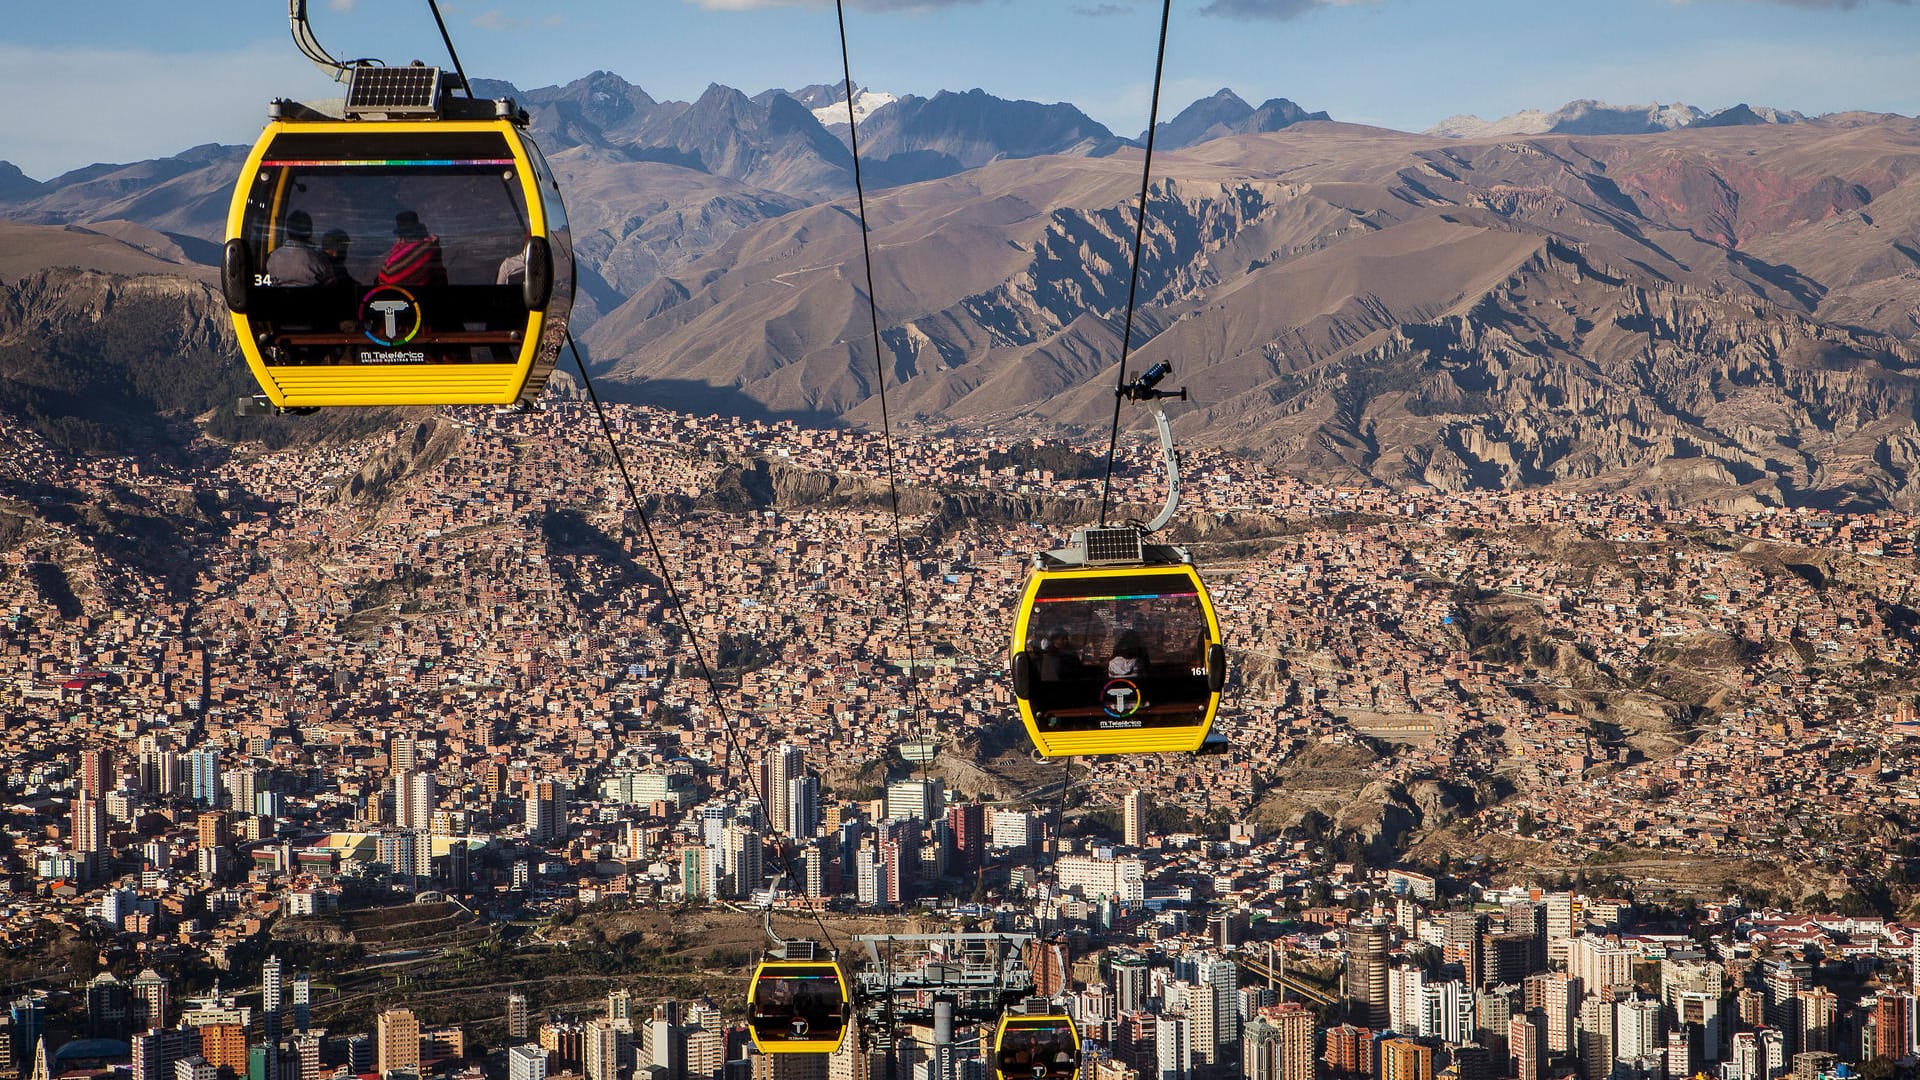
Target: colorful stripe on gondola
{"points": [[1122, 596], [376, 163]]}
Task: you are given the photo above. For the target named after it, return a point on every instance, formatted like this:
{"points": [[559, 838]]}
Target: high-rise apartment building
{"points": [[742, 865], [707, 1056], [526, 1062], [1295, 1026], [403, 753], [921, 800], [1446, 1011], [519, 1018], [1700, 1016], [1595, 1036], [203, 777], [1506, 957], [563, 1041], [1555, 997], [151, 995], [600, 1049], [1530, 918], [1133, 818], [224, 1046], [1462, 944], [89, 831], [967, 823], [1349, 1052], [546, 811], [779, 767], [1405, 1059], [1599, 963], [802, 807], [1128, 974], [1366, 978], [1173, 1053], [96, 772], [1260, 1051], [398, 1035], [1895, 1018], [306, 1051], [666, 1041], [302, 1001], [273, 992], [1525, 1049], [1637, 1029], [1819, 1017], [1492, 1010], [155, 1051]]}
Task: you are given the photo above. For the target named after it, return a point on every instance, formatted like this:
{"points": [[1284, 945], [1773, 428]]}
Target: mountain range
{"points": [[1725, 312]]}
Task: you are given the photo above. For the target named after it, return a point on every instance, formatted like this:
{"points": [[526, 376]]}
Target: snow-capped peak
{"points": [[865, 102]]}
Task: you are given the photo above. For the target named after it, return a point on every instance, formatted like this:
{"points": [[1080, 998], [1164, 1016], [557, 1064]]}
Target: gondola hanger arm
{"points": [[310, 47], [1146, 389]]}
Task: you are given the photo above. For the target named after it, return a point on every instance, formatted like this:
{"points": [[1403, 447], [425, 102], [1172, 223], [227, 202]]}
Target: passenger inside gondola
{"points": [[1057, 659], [297, 262], [335, 246]]}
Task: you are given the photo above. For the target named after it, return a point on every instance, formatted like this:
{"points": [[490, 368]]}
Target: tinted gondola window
{"points": [[1044, 1051], [797, 1008], [428, 220], [1118, 652]]}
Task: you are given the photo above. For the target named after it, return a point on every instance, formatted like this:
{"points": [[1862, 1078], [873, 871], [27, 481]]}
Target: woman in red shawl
{"points": [[415, 256]]}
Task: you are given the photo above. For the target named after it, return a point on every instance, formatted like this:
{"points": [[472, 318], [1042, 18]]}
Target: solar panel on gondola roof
{"points": [[394, 91], [1121, 545]]}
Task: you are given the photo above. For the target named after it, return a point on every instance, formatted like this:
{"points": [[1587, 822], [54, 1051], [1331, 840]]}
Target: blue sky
{"points": [[204, 68]]}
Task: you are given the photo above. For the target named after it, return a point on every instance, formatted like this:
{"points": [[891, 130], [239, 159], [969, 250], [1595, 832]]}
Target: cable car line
{"points": [[1116, 645], [434, 6], [687, 624], [1139, 237], [922, 714]]}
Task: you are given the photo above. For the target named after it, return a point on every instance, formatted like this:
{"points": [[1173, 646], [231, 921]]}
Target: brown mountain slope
{"points": [[1683, 313], [113, 247]]}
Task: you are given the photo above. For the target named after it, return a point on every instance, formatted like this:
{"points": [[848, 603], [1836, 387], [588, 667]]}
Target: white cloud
{"points": [[858, 5], [345, 7], [132, 105]]}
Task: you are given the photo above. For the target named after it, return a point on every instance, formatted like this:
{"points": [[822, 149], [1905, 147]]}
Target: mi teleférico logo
{"points": [[1120, 698], [389, 315]]}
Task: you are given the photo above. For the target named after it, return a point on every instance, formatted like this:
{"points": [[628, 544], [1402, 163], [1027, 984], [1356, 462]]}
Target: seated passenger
{"points": [[513, 268], [296, 262], [1129, 657], [415, 258], [1057, 660], [334, 247]]}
